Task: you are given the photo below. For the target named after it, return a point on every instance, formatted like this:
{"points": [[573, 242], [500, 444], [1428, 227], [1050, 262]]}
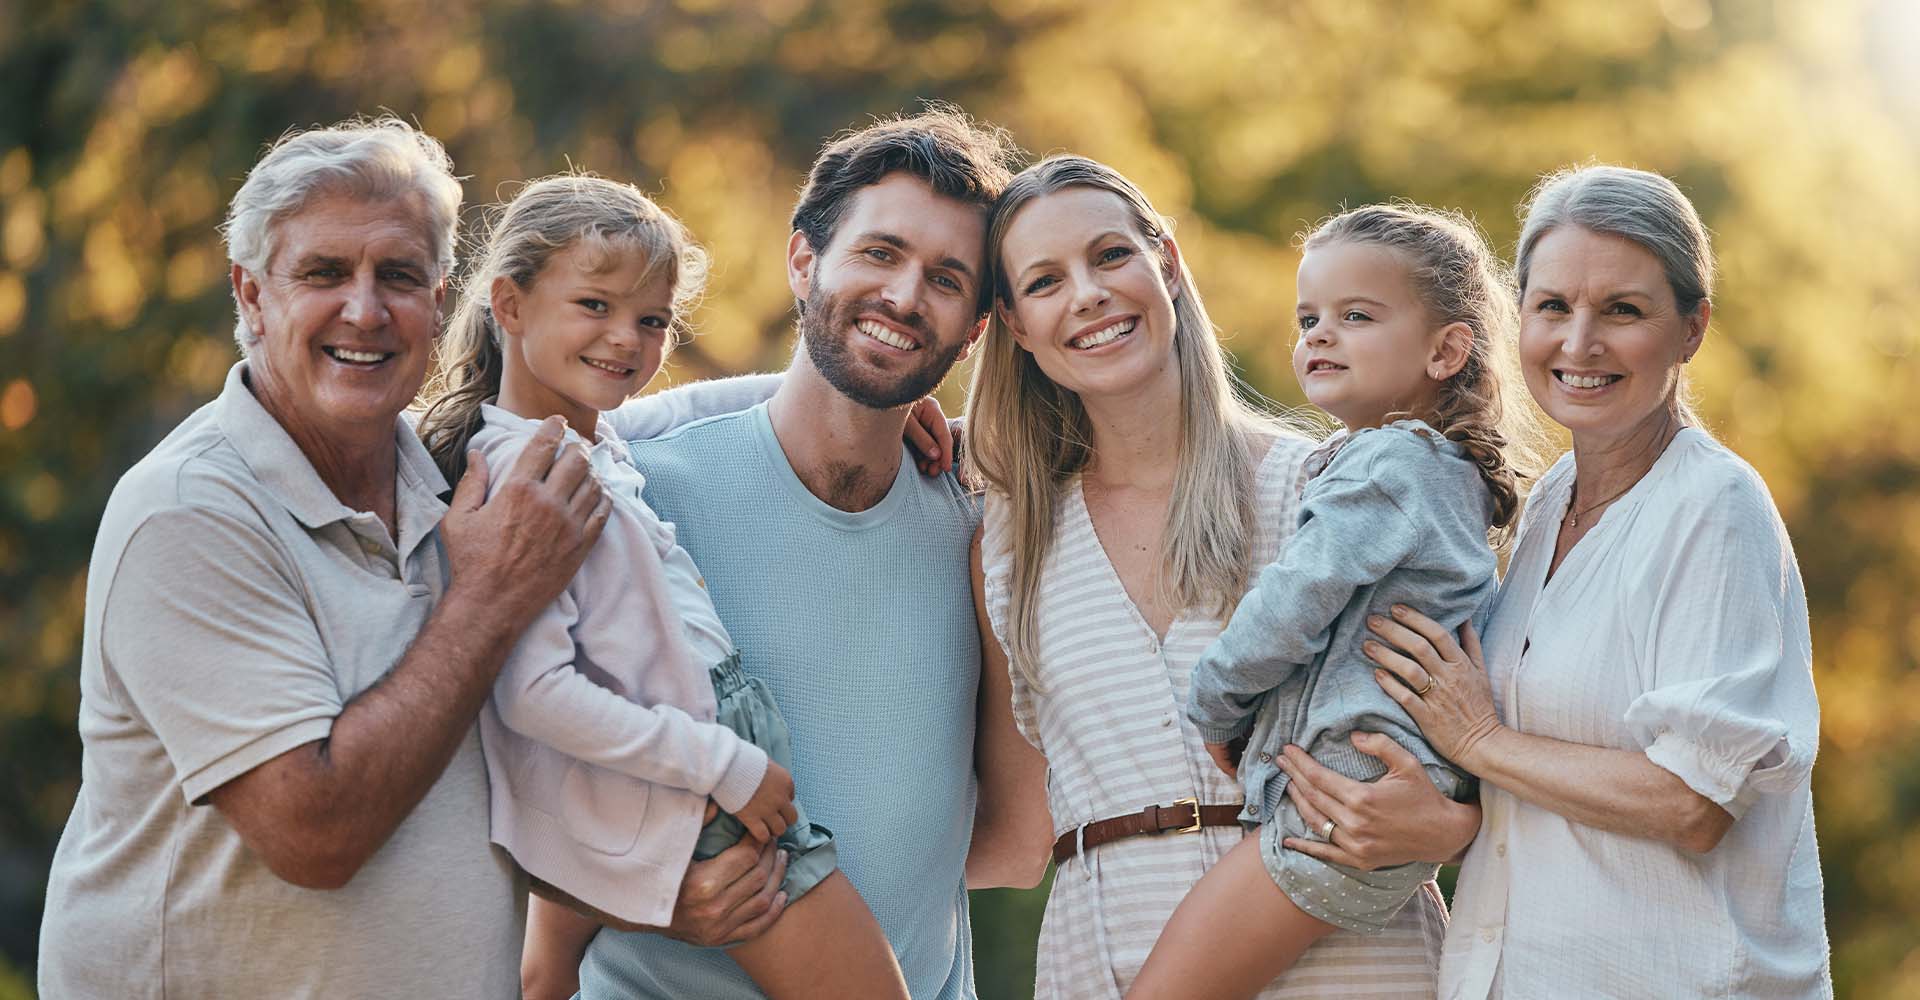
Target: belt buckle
{"points": [[1194, 827]]}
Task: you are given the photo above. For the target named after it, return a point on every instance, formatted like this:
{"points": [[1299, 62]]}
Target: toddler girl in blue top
{"points": [[1406, 325], [623, 710]]}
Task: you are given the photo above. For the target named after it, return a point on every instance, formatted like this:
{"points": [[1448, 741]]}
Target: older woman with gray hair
{"points": [[1642, 711], [289, 633]]}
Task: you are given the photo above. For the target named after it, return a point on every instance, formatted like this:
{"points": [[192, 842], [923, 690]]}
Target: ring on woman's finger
{"points": [[1326, 831], [1424, 690]]}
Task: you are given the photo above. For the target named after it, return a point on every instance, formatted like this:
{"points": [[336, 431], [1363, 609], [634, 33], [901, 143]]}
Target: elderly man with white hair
{"points": [[290, 633]]}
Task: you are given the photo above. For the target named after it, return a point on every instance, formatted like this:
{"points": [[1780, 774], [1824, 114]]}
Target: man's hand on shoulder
{"points": [[517, 549]]}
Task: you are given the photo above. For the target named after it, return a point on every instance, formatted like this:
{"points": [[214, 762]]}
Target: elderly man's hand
{"points": [[518, 549], [733, 896]]}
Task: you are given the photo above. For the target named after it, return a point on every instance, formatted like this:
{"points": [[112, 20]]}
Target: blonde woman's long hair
{"points": [[606, 218], [1027, 438]]}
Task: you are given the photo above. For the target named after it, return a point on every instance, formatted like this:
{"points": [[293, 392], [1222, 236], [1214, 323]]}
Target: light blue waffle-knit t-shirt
{"points": [[862, 625]]}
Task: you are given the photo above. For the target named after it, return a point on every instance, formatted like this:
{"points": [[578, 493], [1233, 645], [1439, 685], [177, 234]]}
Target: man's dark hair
{"points": [[957, 156]]}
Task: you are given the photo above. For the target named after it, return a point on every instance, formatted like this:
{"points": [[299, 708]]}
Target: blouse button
{"points": [[1500, 849], [1486, 934]]}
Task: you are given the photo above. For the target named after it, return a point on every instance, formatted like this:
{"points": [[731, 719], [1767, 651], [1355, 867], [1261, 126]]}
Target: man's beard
{"points": [[827, 327]]}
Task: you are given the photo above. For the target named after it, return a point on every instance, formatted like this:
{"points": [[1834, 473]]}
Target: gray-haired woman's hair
{"points": [[1635, 205], [375, 159]]}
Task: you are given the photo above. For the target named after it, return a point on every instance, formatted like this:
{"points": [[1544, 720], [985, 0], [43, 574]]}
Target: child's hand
{"points": [[768, 814], [1227, 755]]}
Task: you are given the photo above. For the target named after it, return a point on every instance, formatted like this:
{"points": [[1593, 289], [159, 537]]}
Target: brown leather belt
{"points": [[1184, 816]]}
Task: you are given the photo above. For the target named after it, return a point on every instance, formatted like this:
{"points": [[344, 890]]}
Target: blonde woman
{"points": [[1130, 494]]}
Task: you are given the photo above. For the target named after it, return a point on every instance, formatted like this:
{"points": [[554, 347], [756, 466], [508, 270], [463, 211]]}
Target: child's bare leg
{"points": [[826, 945], [557, 940], [1233, 934]]}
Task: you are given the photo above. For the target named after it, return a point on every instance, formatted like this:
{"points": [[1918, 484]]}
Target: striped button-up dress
{"points": [[1110, 714]]}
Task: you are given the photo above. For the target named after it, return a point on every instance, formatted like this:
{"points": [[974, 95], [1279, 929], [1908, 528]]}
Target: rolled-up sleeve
{"points": [[207, 637], [1731, 710]]}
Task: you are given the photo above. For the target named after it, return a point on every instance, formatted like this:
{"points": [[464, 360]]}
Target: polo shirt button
{"points": [[369, 546]]}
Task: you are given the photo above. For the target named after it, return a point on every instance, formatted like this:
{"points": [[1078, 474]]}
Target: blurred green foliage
{"points": [[1795, 125]]}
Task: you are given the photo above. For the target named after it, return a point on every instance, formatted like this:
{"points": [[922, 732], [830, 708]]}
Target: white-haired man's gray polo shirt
{"points": [[234, 607]]}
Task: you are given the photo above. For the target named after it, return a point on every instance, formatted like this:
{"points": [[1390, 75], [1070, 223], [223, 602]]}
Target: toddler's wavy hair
{"points": [[1458, 278]]}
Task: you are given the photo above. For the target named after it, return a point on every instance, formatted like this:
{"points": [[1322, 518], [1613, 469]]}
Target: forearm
{"points": [[1012, 827], [1619, 791], [342, 797], [1278, 627], [564, 709], [654, 415]]}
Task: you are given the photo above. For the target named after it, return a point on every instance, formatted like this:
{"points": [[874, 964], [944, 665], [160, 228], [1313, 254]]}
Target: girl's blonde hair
{"points": [[606, 218], [1027, 438], [1458, 278]]}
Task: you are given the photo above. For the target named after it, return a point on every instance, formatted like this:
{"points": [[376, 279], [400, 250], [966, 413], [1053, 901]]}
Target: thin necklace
{"points": [[1573, 517], [1572, 520]]}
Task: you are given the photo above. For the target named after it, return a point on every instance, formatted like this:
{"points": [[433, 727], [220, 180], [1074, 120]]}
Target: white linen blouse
{"points": [[1677, 627]]}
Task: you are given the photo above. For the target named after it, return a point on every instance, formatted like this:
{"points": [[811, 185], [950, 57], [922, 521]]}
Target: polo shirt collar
{"points": [[289, 476]]}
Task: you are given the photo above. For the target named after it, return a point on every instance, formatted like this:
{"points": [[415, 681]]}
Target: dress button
{"points": [[1168, 721], [1153, 645]]}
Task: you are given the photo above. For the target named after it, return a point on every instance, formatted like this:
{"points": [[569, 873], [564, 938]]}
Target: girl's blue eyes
{"points": [[599, 307]]}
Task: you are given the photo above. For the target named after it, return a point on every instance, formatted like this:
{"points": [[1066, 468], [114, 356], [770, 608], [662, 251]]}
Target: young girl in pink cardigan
{"points": [[623, 709]]}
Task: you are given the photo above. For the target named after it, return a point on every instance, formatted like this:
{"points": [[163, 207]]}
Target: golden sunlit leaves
{"points": [[115, 289], [13, 302], [16, 169], [17, 404], [40, 497], [1793, 123]]}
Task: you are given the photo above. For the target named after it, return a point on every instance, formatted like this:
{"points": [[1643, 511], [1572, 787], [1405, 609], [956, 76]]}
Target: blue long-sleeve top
{"points": [[1394, 515]]}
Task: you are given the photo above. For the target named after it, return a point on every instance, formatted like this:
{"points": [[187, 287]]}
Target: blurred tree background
{"points": [[1795, 125]]}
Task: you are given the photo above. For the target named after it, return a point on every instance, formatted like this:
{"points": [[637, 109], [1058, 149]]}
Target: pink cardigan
{"points": [[600, 745]]}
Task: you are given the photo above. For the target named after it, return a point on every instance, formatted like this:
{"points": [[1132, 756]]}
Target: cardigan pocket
{"points": [[602, 808]]}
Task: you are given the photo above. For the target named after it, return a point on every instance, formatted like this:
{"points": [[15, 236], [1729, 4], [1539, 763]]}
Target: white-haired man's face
{"points": [[345, 316]]}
